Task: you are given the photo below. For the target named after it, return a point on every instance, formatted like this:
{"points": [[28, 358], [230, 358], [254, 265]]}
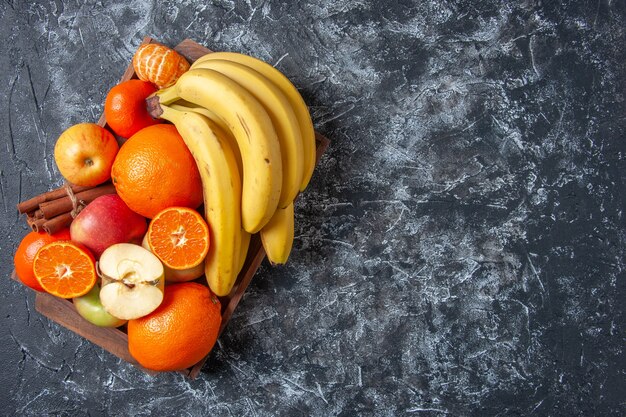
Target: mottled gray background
{"points": [[460, 251]]}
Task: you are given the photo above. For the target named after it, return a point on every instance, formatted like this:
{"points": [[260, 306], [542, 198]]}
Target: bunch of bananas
{"points": [[251, 135]]}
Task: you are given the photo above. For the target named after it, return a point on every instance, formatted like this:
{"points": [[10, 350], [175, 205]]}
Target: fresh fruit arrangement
{"points": [[210, 154]]}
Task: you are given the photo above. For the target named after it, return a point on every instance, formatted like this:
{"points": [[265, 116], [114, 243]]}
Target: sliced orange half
{"points": [[65, 269], [179, 237]]}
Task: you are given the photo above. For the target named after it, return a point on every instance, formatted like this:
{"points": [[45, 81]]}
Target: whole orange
{"points": [[26, 251], [125, 107], [154, 170], [180, 332]]}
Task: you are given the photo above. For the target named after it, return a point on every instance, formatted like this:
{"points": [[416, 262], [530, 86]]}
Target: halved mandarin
{"points": [[179, 237], [65, 269]]}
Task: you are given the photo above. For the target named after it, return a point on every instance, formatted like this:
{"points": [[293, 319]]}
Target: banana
{"points": [[289, 90], [283, 119], [277, 235], [252, 127], [219, 127], [187, 106], [243, 253], [221, 185], [222, 133]]}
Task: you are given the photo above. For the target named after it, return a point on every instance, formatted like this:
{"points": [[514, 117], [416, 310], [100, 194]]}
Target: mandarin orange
{"points": [[159, 64], [26, 251], [125, 107]]}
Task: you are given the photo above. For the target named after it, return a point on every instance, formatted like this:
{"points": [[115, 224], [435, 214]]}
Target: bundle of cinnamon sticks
{"points": [[55, 209]]}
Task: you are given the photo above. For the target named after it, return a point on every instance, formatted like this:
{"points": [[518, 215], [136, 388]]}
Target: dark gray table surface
{"points": [[460, 251]]}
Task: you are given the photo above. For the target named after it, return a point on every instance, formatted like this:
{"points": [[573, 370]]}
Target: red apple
{"points": [[84, 154], [105, 221]]}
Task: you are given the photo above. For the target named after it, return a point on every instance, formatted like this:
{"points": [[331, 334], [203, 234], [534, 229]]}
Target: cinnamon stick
{"points": [[57, 223], [37, 224], [33, 204], [54, 208]]}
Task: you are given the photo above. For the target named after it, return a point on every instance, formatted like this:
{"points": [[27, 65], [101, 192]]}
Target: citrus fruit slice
{"points": [[26, 251], [65, 269], [179, 237], [177, 275]]}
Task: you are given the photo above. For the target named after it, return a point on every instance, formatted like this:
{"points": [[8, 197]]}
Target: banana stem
{"points": [[153, 105], [163, 97]]}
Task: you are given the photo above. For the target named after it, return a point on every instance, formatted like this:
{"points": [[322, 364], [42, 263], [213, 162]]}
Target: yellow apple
{"points": [[85, 153]]}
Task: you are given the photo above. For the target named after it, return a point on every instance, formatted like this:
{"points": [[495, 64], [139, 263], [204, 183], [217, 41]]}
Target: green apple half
{"points": [[90, 308], [133, 281]]}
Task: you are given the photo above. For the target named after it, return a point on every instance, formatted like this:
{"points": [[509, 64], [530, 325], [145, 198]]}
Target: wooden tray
{"points": [[115, 341]]}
